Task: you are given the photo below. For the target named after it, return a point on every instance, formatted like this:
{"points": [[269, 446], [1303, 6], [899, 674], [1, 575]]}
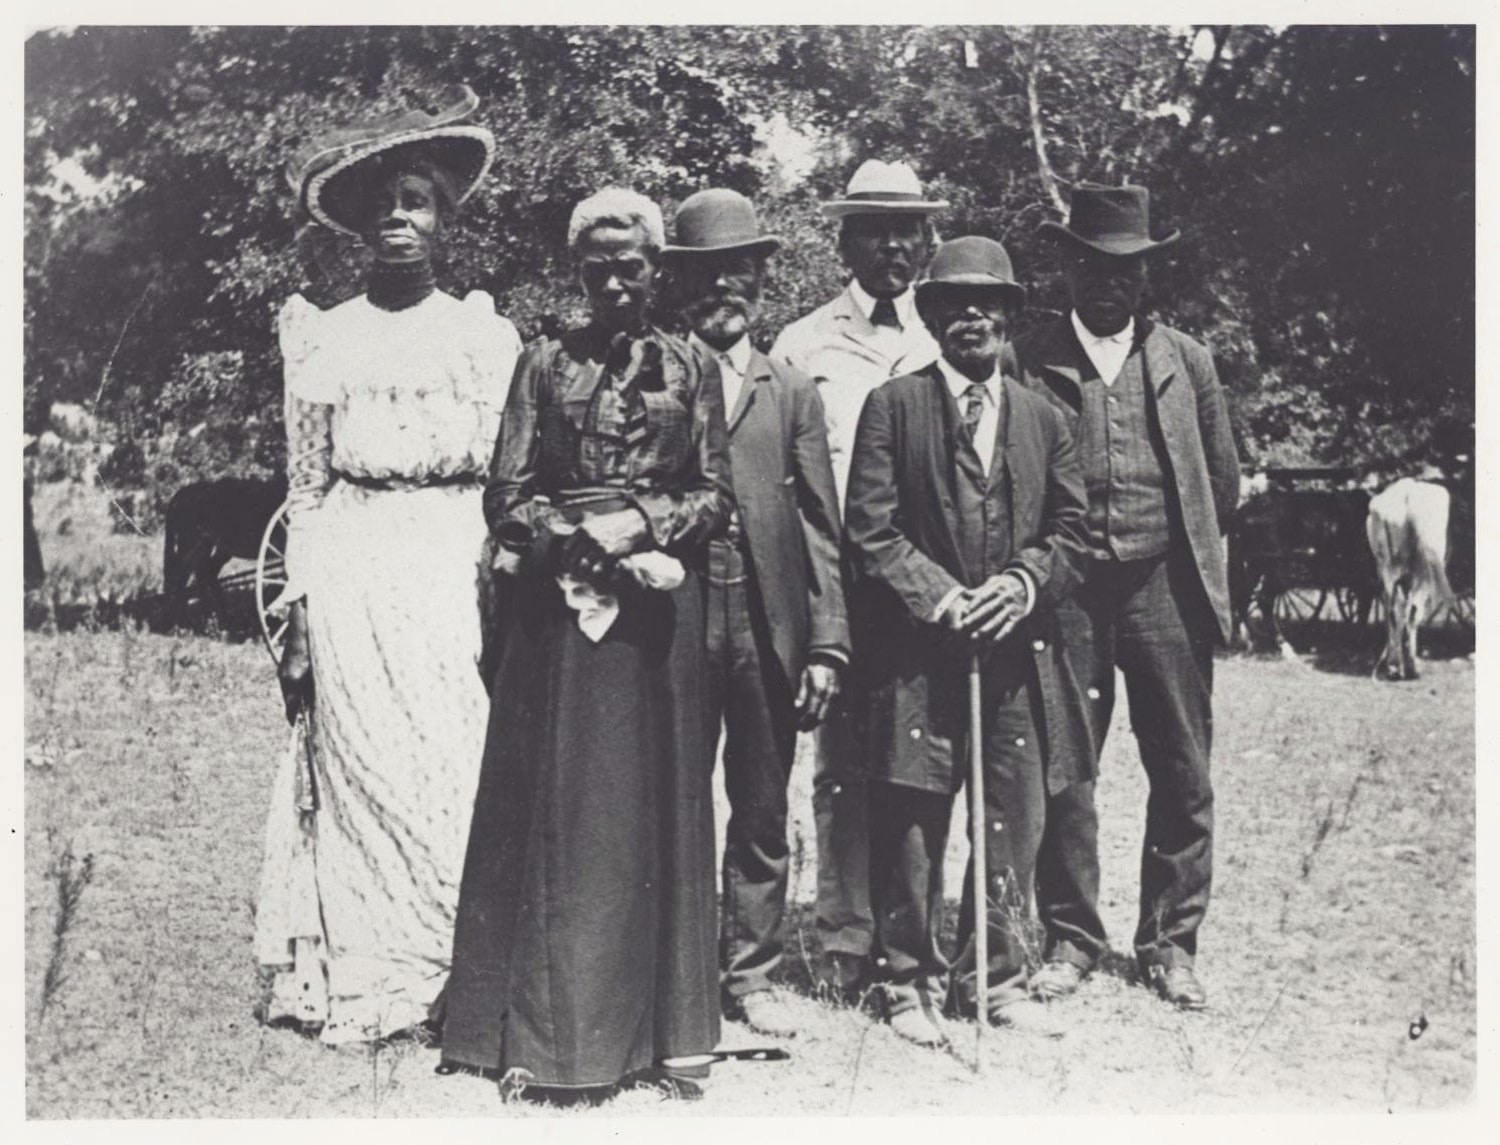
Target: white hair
{"points": [[617, 207]]}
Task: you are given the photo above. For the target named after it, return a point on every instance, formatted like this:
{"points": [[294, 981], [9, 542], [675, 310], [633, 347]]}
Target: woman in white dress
{"points": [[393, 402]]}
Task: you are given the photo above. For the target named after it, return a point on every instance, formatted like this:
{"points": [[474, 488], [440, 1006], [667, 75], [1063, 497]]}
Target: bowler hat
{"points": [[716, 220], [971, 261], [329, 172], [879, 188], [1113, 220]]}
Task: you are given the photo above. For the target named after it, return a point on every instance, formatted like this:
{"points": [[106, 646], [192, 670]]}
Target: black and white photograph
{"points": [[601, 571]]}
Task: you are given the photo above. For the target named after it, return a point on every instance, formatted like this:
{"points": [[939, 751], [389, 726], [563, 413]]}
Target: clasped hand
{"points": [[990, 612], [593, 550]]}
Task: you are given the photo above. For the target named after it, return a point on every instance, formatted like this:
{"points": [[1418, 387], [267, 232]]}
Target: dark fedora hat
{"points": [[328, 174], [1114, 220], [716, 220], [971, 261]]}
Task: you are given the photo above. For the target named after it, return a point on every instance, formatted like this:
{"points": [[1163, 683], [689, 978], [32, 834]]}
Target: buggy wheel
{"points": [[271, 582], [1348, 601], [1296, 604]]}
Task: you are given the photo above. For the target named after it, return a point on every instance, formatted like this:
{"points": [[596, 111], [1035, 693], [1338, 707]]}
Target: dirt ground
{"points": [[1343, 919]]}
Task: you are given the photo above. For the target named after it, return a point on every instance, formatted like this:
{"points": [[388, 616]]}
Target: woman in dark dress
{"points": [[585, 945]]}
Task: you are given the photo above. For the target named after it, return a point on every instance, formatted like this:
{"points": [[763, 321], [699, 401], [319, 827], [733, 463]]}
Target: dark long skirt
{"points": [[585, 942]]}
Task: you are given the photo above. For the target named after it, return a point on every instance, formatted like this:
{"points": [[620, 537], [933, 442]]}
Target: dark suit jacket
{"points": [[901, 531], [789, 510], [1190, 408]]}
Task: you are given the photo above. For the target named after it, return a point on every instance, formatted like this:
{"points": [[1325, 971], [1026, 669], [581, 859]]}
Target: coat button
{"points": [[916, 733], [1038, 645], [1093, 693], [1020, 741], [997, 826]]}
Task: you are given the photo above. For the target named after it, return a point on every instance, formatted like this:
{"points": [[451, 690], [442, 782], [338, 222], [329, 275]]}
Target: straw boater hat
{"points": [[1113, 220], [715, 220], [969, 262], [328, 173], [879, 188]]}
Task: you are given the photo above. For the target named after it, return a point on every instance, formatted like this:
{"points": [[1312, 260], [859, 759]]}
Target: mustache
{"points": [[721, 301]]}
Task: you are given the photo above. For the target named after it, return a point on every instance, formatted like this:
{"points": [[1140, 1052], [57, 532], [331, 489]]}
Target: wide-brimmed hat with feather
{"points": [[329, 173]]}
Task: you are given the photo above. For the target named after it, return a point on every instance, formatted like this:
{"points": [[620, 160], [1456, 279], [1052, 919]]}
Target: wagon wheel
{"points": [[1300, 604], [271, 582], [1348, 601]]}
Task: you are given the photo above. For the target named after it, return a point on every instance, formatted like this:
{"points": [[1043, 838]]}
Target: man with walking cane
{"points": [[965, 524]]}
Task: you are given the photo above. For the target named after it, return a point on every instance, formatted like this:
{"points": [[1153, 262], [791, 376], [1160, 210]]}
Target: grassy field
{"points": [[1343, 910]]}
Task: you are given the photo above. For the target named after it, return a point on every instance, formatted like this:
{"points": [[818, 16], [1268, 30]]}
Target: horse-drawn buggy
{"points": [[224, 553], [1298, 551]]}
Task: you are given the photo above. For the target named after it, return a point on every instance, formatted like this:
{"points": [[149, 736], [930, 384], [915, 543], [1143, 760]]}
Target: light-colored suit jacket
{"points": [[838, 347]]}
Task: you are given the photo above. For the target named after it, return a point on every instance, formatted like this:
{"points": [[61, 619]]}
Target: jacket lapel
{"points": [[1064, 364], [1157, 358], [758, 370]]}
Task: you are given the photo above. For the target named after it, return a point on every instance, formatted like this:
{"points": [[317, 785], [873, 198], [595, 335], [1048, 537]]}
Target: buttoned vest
{"points": [[983, 506], [1124, 466]]}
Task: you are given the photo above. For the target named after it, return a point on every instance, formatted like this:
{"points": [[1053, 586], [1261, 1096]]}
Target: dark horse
{"points": [[208, 523]]}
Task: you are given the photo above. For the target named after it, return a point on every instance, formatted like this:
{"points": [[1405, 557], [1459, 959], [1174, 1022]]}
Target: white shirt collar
{"points": [[906, 303], [958, 384], [1087, 337], [738, 355]]}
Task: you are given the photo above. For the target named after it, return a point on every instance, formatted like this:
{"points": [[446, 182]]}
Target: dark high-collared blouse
{"points": [[587, 416]]}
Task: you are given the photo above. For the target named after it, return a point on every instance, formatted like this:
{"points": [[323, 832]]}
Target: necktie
{"points": [[884, 314], [973, 408]]}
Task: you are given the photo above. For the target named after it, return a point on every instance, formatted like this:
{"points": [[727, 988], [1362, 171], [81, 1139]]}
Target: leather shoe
{"points": [[1056, 979], [1026, 1016], [767, 1012], [920, 1026], [1178, 985]]}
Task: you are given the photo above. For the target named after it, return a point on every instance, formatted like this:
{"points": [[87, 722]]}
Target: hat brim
{"points": [[764, 245], [465, 151], [842, 208], [1015, 292], [1123, 245]]}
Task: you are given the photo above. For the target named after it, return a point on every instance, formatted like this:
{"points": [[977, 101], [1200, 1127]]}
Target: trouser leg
{"points": [[1166, 653], [842, 819], [909, 835], [1013, 809], [1067, 869], [760, 742]]}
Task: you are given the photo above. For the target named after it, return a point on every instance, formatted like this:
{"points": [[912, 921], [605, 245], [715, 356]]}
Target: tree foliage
{"points": [[1323, 179]]}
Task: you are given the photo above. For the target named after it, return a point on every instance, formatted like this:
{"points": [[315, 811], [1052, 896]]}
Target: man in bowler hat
{"points": [[778, 637], [965, 527], [1152, 425], [866, 334]]}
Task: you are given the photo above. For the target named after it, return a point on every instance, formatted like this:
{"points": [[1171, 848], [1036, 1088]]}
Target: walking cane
{"points": [[981, 867]]}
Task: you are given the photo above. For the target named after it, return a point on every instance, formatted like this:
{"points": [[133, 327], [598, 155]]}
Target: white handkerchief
{"points": [[596, 610]]}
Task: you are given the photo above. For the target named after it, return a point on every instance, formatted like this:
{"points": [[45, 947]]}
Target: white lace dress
{"points": [[391, 418]]}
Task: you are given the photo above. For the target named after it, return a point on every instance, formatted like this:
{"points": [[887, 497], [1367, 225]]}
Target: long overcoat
{"points": [[901, 527], [789, 510]]}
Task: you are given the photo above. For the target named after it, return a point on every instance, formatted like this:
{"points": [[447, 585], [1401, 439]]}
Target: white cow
{"points": [[1408, 530]]}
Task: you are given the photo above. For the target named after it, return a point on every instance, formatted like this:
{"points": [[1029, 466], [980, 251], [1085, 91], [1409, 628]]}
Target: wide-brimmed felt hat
{"points": [[879, 188], [329, 173], [1114, 220], [971, 261], [718, 220]]}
